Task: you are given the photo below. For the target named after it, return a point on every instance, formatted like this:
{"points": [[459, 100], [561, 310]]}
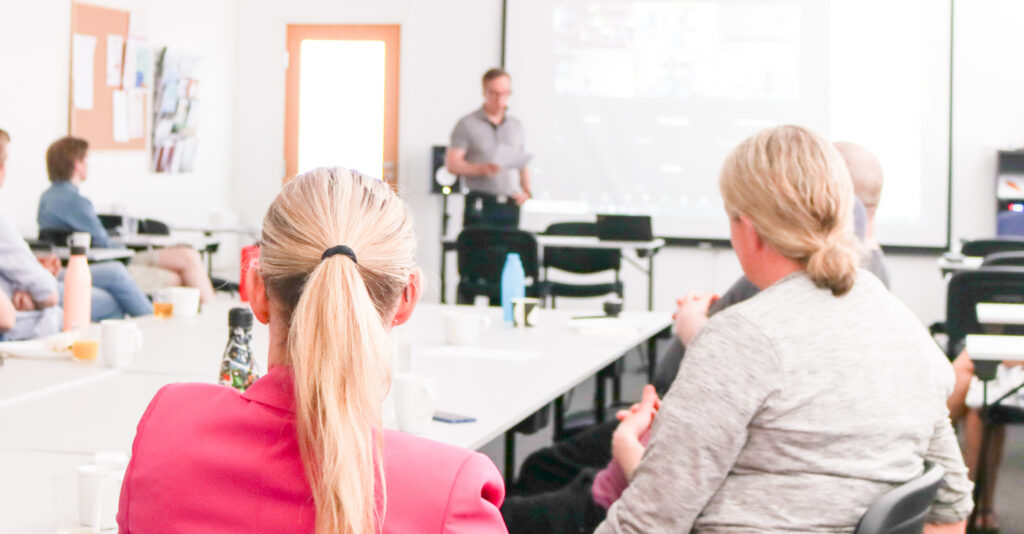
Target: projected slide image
{"points": [[632, 106], [679, 50]]}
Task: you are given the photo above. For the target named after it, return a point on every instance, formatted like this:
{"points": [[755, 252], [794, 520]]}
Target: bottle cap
{"points": [[239, 318]]}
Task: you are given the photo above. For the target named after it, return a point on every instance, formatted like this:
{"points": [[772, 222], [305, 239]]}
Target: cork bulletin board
{"points": [[96, 125]]}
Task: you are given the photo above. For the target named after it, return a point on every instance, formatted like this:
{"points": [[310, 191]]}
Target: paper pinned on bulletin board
{"points": [[120, 117], [136, 113], [115, 56], [83, 54]]}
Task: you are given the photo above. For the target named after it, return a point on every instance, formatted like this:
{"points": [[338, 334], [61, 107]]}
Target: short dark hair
{"points": [[496, 72], [62, 156]]}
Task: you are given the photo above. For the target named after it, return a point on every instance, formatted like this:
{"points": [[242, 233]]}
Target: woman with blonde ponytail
{"points": [[303, 450], [795, 410]]}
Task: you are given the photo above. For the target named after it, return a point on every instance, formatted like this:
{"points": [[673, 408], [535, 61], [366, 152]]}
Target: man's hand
{"points": [[520, 198], [691, 314], [487, 169], [626, 446], [22, 301], [51, 263]]}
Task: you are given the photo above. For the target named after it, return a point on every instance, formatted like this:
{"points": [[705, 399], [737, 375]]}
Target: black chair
{"points": [[985, 247], [966, 289], [903, 510], [580, 261], [57, 238], [481, 254], [998, 284], [1004, 259]]}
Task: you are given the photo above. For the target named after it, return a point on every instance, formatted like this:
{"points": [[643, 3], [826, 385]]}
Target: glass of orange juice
{"points": [[85, 350], [163, 308]]}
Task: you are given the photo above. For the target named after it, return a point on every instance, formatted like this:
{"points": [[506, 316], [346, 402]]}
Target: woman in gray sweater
{"points": [[795, 410]]}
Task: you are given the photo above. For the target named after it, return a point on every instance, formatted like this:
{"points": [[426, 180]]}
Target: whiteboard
{"points": [[632, 106]]}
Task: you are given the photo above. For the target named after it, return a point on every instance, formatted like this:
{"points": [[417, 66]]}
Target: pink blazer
{"points": [[208, 460]]}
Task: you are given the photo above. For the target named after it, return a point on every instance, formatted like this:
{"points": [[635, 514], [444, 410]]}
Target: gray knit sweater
{"points": [[794, 411]]}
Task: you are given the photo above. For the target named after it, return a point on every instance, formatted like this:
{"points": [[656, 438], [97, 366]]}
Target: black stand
{"points": [[445, 193]]}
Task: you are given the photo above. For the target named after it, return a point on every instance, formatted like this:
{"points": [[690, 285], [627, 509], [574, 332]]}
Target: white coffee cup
{"points": [[119, 341], [99, 490], [462, 328], [185, 301], [414, 402], [402, 362]]}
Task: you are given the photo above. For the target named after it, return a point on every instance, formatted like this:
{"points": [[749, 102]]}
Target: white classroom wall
{"points": [[34, 39], [446, 45]]}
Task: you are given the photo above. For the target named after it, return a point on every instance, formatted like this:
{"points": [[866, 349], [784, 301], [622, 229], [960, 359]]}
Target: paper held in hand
{"points": [[510, 157]]}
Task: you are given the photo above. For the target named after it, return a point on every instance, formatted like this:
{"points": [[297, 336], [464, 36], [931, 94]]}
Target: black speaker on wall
{"points": [[442, 183]]}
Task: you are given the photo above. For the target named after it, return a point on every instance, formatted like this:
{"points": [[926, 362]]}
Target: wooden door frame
{"points": [[391, 35]]}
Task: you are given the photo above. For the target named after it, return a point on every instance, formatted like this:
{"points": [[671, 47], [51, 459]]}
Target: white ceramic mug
{"points": [[119, 341], [99, 489], [414, 402], [462, 328], [523, 311], [185, 301]]}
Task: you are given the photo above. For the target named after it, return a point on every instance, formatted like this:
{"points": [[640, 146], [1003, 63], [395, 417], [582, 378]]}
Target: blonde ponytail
{"points": [[337, 341], [794, 187], [833, 266]]}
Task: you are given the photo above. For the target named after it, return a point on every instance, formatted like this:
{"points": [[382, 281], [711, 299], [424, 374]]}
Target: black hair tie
{"points": [[339, 249]]}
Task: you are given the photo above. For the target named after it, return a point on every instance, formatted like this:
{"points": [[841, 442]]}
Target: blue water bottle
{"points": [[513, 283]]}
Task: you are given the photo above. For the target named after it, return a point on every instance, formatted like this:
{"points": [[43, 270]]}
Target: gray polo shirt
{"points": [[480, 138]]}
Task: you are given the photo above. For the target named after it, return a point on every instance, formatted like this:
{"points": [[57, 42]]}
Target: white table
{"points": [[96, 254], [950, 263], [56, 414], [999, 313]]}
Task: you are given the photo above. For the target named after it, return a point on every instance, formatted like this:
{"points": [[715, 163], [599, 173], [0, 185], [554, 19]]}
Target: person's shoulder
{"points": [[400, 446], [184, 397], [432, 484]]}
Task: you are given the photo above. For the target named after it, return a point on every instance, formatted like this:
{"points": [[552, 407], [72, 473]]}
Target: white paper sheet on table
{"points": [[83, 53], [609, 326], [478, 353]]}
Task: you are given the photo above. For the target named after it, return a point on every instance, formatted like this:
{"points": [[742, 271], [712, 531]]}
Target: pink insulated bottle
{"points": [[77, 290]]}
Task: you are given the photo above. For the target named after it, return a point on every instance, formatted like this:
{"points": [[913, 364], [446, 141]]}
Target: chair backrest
{"points": [[55, 237], [153, 227], [984, 247], [1008, 259], [580, 260], [482, 250], [903, 510], [110, 222], [968, 288]]}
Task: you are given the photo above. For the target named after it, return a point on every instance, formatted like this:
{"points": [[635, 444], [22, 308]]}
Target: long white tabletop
{"points": [[143, 241], [56, 414]]}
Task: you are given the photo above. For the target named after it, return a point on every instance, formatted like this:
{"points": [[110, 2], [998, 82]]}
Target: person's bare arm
{"points": [[950, 528], [455, 161], [524, 184]]}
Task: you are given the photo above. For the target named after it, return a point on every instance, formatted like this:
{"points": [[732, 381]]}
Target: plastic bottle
{"points": [[238, 369], [513, 284], [77, 290]]}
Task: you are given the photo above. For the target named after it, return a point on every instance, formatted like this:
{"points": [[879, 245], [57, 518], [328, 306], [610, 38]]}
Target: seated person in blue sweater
{"points": [[63, 208], [34, 291]]}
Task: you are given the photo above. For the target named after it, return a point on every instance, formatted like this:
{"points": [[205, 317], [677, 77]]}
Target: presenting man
{"points": [[486, 151]]}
